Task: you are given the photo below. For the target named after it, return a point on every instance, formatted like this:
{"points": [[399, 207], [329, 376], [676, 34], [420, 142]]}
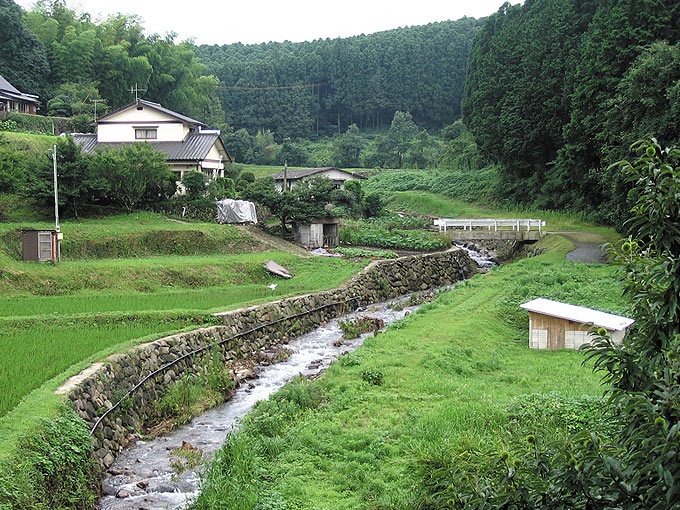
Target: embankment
{"points": [[116, 398]]}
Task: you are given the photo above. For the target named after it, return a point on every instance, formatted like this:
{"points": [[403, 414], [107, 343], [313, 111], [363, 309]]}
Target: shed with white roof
{"points": [[554, 325]]}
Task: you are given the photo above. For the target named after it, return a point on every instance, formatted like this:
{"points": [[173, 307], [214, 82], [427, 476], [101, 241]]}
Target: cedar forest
{"points": [[541, 97], [530, 109]]}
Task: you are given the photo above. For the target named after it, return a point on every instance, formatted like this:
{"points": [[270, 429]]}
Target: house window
{"points": [[146, 133]]}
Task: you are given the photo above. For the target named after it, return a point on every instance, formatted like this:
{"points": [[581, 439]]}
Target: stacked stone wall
{"points": [[242, 337]]}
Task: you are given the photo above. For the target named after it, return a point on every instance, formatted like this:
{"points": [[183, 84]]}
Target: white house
{"points": [[554, 325], [295, 177], [186, 143]]}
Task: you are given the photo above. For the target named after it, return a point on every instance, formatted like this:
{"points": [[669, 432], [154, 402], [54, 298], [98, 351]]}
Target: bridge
{"points": [[481, 229]]}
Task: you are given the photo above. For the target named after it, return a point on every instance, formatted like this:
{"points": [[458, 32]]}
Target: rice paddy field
{"points": [[120, 284]]}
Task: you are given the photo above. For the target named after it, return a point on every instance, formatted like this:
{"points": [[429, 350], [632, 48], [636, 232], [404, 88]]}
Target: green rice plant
{"points": [[361, 252], [382, 238]]}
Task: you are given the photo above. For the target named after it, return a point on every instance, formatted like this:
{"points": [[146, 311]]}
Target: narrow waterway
{"points": [[143, 473], [143, 478]]}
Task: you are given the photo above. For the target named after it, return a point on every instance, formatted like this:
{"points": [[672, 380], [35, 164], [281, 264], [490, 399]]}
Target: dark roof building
{"points": [[13, 100], [195, 147], [187, 145], [294, 177]]}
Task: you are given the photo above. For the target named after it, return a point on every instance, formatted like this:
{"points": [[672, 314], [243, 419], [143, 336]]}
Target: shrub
{"points": [[54, 468], [373, 376], [381, 238], [195, 184], [360, 252], [353, 328]]}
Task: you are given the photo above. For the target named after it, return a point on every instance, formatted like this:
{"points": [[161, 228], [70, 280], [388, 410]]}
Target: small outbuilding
{"points": [[41, 245], [292, 178], [318, 233], [554, 325]]}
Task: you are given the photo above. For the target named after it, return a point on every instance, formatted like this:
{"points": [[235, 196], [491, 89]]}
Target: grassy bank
{"points": [[423, 202], [441, 380], [41, 336], [141, 234]]}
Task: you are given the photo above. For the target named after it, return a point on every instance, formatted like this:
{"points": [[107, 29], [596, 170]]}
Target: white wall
{"points": [[123, 125], [339, 176]]}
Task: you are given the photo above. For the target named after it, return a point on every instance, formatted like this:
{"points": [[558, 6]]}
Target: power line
{"points": [[289, 87]]}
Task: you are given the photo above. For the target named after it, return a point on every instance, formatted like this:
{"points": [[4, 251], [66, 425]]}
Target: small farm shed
{"points": [[319, 233], [40, 245], [554, 325]]}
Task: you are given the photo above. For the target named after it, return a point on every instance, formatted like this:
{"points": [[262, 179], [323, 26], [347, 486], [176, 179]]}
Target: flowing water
{"points": [[142, 477], [143, 473], [481, 259]]}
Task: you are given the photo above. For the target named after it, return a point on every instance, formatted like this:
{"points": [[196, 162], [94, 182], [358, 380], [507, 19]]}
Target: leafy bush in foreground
{"points": [[54, 468]]}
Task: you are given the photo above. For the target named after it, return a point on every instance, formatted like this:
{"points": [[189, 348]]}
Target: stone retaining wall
{"points": [[99, 390]]}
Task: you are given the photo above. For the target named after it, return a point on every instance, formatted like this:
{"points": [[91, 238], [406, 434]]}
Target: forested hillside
{"points": [[557, 90], [69, 60], [359, 80]]}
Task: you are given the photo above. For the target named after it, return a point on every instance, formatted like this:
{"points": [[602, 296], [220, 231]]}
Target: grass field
{"points": [[423, 202], [56, 318], [132, 235], [450, 372]]}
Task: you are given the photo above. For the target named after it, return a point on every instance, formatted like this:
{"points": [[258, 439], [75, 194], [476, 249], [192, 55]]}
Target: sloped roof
{"points": [[5, 85], [578, 314], [9, 91], [155, 106], [195, 147], [307, 172]]}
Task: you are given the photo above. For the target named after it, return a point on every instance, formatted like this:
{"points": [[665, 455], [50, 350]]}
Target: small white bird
{"points": [[272, 286]]}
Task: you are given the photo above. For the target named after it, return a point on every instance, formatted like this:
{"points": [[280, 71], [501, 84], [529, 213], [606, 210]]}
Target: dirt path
{"points": [[587, 247], [275, 242]]}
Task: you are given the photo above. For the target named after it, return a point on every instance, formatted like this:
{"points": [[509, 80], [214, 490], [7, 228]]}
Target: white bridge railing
{"points": [[489, 224]]}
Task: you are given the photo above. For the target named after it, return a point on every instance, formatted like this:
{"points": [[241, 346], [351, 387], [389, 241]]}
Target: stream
{"points": [[142, 476]]}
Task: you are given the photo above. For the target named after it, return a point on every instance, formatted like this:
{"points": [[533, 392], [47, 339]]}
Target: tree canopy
{"points": [[558, 89]]}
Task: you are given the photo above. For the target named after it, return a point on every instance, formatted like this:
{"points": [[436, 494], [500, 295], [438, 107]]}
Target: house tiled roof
{"points": [[7, 86], [307, 172], [154, 106], [9, 91], [195, 147]]}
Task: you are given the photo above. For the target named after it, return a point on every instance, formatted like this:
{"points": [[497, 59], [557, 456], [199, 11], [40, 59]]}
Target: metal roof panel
{"points": [[579, 314]]}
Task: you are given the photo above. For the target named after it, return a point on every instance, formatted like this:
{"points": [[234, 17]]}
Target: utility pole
{"points": [[285, 176], [56, 204], [95, 101]]}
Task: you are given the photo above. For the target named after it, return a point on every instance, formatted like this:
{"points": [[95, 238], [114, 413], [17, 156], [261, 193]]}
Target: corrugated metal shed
{"points": [[578, 314]]}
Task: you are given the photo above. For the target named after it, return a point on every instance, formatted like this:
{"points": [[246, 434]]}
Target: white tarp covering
{"points": [[236, 211]]}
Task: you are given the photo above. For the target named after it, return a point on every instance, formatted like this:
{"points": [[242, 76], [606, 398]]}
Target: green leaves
{"points": [[133, 171]]}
